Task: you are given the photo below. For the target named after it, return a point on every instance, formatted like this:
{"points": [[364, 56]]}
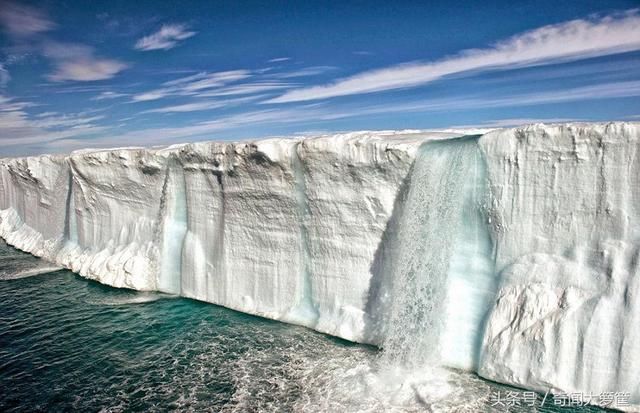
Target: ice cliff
{"points": [[514, 254]]}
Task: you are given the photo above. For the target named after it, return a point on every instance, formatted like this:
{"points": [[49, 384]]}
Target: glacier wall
{"points": [[513, 254], [565, 219]]}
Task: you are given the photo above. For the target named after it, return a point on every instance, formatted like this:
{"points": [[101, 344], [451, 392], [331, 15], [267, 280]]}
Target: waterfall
{"points": [[443, 190], [305, 312], [174, 220], [71, 221]]}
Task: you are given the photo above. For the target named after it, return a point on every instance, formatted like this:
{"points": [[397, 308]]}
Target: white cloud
{"points": [[55, 120], [85, 70], [505, 123], [573, 40], [109, 95], [211, 80], [584, 93], [192, 85], [245, 89], [169, 135], [304, 72], [164, 39], [151, 95], [279, 59], [187, 107], [4, 76], [18, 129], [199, 106], [71, 61], [191, 78], [78, 62], [22, 21]]}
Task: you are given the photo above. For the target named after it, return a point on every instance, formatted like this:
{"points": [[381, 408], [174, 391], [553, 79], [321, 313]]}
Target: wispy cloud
{"points": [[166, 38], [505, 123], [109, 95], [18, 128], [153, 136], [573, 40], [71, 61], [58, 132], [192, 85], [305, 72], [78, 62], [187, 107], [319, 114], [208, 80], [4, 76], [461, 103], [22, 21], [246, 89], [314, 112], [588, 71], [200, 106], [57, 120], [87, 69]]}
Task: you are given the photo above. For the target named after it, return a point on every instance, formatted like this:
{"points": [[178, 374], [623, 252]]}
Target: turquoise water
{"points": [[67, 343]]}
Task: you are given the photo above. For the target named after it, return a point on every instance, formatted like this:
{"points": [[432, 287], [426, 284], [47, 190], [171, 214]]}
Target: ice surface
{"points": [[565, 220], [514, 254]]}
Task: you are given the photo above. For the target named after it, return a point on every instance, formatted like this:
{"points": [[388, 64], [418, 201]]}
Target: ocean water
{"points": [[67, 343]]}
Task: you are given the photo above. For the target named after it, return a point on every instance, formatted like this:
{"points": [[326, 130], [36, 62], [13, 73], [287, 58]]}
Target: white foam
{"points": [[18, 274]]}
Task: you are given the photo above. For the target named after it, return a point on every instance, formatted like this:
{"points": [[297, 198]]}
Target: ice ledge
{"points": [[301, 230]]}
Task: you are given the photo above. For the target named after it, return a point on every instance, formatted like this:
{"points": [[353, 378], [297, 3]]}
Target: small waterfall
{"points": [[71, 221], [174, 228], [305, 312], [430, 224]]}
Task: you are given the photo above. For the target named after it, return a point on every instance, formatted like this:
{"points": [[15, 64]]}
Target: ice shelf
{"points": [[514, 254]]}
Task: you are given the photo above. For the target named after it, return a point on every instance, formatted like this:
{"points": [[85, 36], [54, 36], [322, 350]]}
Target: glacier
{"points": [[513, 253]]}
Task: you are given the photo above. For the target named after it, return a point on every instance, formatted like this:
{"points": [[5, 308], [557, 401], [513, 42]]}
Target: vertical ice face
{"points": [[116, 196], [275, 228], [202, 258], [351, 185], [243, 247], [34, 192], [566, 220]]}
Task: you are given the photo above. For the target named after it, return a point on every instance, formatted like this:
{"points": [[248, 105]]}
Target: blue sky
{"points": [[77, 74]]}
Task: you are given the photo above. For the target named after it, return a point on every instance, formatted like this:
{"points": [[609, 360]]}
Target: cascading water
{"points": [[174, 210], [305, 312], [442, 191]]}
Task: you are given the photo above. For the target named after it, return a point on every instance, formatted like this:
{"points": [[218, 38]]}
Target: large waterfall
{"points": [[442, 221]]}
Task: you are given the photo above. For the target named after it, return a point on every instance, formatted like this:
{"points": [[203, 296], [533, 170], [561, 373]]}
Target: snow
{"points": [[513, 254], [565, 219]]}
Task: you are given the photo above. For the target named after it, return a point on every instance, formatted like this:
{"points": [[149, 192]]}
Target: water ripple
{"points": [[67, 343]]}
